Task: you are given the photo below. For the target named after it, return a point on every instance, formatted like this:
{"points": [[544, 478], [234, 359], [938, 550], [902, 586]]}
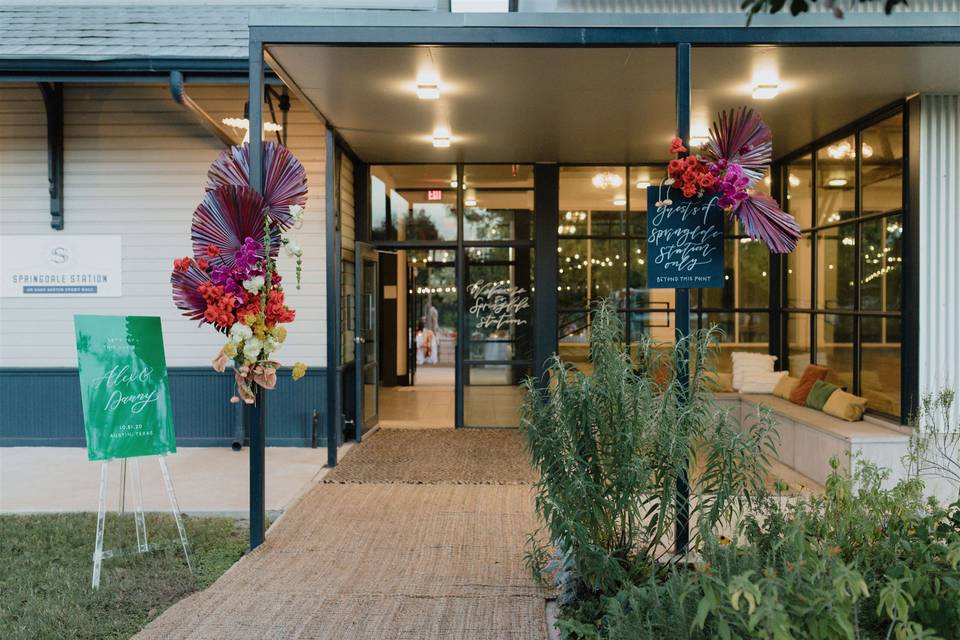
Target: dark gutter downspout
{"points": [[53, 103], [180, 96]]}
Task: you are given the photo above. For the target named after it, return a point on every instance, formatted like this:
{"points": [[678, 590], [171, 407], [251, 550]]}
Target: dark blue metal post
{"points": [[682, 533], [255, 415]]}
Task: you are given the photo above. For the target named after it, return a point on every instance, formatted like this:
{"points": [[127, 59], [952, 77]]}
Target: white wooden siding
{"points": [[348, 235], [939, 239], [135, 165]]}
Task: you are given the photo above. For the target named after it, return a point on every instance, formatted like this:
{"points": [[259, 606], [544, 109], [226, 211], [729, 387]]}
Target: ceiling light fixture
{"points": [[643, 184], [441, 137], [837, 182], [470, 202], [607, 179], [766, 91], [428, 90], [793, 180], [453, 184], [619, 201]]}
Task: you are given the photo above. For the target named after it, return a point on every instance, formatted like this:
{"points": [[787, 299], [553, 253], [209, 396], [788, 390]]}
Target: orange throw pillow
{"points": [[811, 374]]}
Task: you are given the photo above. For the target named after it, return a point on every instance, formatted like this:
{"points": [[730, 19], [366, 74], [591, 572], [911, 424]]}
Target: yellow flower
{"points": [[299, 370], [249, 319], [280, 333], [724, 540], [230, 350]]}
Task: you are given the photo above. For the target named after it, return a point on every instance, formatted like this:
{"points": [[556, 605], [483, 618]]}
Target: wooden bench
{"points": [[810, 438]]}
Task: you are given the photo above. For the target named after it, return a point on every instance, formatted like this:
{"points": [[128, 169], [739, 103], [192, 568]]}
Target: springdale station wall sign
{"points": [[60, 265], [684, 240]]}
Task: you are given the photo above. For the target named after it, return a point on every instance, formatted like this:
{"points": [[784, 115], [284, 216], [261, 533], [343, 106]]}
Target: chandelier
{"points": [[844, 151], [607, 179]]}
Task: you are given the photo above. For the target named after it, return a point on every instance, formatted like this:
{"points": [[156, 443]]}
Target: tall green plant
{"points": [[611, 446]]}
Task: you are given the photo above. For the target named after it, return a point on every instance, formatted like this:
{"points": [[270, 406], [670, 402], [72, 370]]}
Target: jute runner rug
{"points": [[432, 456], [391, 560]]}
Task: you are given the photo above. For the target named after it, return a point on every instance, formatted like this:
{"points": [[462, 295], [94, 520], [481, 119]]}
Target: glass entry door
{"points": [[367, 332]]}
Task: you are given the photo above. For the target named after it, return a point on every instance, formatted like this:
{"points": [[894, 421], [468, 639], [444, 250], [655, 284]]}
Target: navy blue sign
{"points": [[684, 240]]}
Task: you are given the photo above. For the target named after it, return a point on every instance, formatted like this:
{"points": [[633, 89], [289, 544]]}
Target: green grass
{"points": [[46, 564]]}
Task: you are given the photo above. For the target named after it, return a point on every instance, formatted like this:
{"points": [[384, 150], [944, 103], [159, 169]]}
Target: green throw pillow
{"points": [[820, 392]]}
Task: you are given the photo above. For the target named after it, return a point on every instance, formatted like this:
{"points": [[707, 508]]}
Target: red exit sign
{"points": [[434, 195]]}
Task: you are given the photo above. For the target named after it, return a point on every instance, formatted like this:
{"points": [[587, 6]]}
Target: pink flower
{"points": [[266, 377], [220, 362], [676, 146]]}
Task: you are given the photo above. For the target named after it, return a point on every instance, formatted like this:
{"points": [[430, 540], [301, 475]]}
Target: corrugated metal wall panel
{"points": [[136, 166], [940, 244]]}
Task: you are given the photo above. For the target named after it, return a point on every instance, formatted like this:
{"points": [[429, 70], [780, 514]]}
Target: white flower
{"points": [[254, 284], [240, 332], [293, 249], [296, 212], [271, 344], [252, 348]]}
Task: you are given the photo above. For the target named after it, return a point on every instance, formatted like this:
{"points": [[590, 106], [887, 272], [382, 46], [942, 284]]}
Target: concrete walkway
{"points": [[207, 480]]}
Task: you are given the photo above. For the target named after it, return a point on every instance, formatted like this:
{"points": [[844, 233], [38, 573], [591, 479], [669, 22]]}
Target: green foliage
{"points": [[46, 565], [859, 562], [612, 446]]}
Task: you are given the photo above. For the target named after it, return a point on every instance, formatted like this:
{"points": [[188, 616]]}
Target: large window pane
{"points": [[798, 343], [498, 202], [641, 178], [799, 271], [880, 364], [836, 181], [799, 190], [881, 264], [882, 166], [492, 394], [835, 348], [836, 260], [590, 270], [598, 192], [753, 277], [420, 202]]}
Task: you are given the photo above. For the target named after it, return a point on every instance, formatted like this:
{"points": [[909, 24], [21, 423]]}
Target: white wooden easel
{"points": [[139, 520]]}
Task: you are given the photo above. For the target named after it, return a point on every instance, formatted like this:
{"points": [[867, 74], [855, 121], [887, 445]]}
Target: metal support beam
{"points": [[208, 122], [334, 399], [683, 82], [255, 415], [53, 103], [910, 351], [546, 205]]}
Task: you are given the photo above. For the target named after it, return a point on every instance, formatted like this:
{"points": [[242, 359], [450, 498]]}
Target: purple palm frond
{"points": [[764, 220], [186, 293], [741, 137], [285, 180], [225, 219]]}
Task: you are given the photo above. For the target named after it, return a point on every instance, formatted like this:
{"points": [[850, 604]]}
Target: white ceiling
{"points": [[586, 105]]}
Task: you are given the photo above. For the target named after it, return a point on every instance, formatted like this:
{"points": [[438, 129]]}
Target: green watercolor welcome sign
{"points": [[123, 383]]}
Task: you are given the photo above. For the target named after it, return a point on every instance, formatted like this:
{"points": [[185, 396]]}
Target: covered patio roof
{"points": [[592, 88]]}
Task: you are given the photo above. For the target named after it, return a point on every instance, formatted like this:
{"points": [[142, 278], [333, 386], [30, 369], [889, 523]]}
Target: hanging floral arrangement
{"points": [[729, 166], [231, 282]]}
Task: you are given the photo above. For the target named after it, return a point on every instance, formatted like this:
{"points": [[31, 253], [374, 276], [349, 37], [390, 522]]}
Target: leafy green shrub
{"points": [[612, 446]]}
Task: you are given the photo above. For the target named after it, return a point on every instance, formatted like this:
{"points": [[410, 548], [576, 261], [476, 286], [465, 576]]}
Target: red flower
{"points": [[707, 180], [182, 264], [689, 191], [692, 161], [676, 146], [202, 263], [213, 250], [675, 168]]}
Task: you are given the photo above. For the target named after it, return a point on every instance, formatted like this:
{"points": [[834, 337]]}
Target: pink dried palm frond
{"points": [[228, 216], [284, 184], [186, 293], [764, 220], [741, 137]]}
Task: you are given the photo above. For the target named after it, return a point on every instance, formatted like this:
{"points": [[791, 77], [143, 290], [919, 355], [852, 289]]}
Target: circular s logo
{"points": [[59, 255]]}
